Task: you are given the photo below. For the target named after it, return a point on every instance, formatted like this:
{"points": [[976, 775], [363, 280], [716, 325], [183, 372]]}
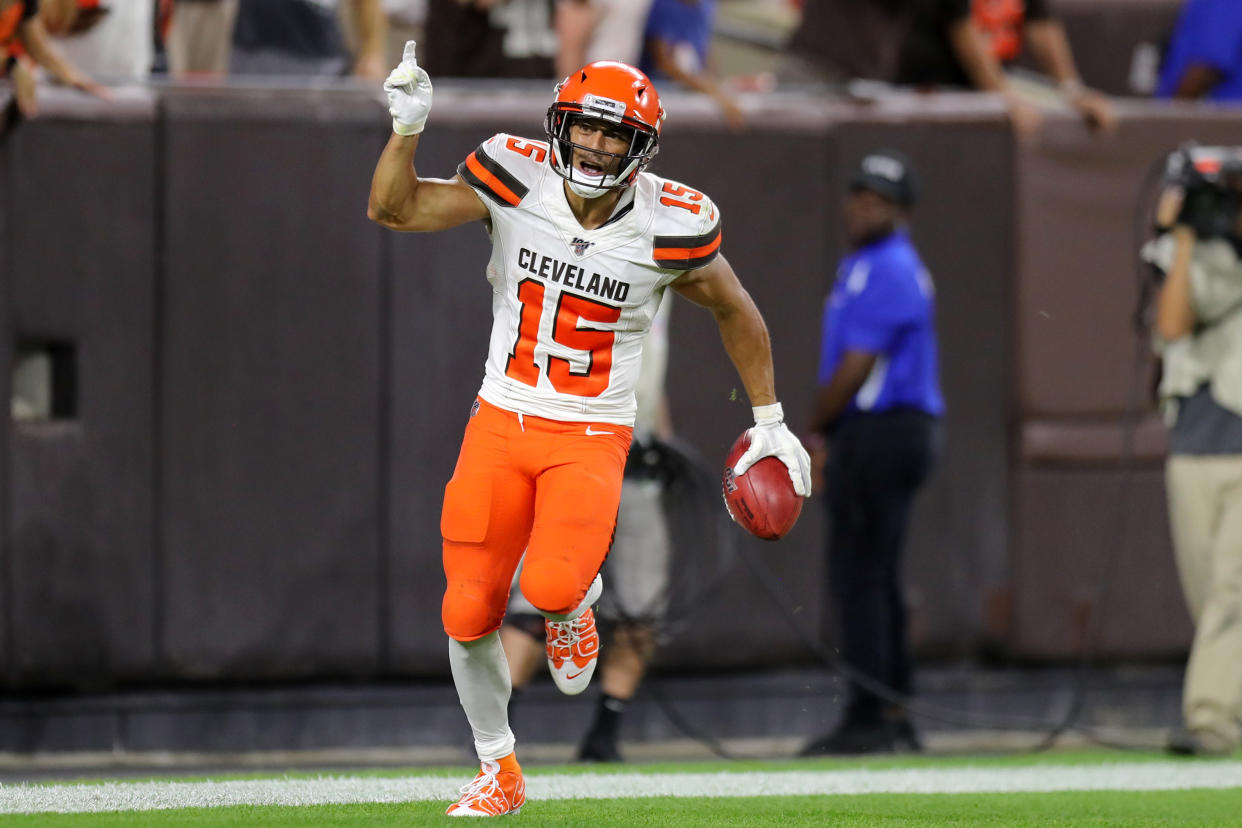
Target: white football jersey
{"points": [[571, 307]]}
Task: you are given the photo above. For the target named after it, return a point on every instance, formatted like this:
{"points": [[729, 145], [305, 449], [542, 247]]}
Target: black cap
{"points": [[887, 172]]}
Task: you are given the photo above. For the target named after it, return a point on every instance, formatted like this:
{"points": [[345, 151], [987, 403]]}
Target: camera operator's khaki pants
{"points": [[1205, 515]]}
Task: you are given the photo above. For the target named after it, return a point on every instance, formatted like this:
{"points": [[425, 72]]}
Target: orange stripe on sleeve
{"points": [[490, 181], [685, 253]]}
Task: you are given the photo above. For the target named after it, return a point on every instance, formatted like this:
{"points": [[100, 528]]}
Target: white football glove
{"points": [[770, 438], [409, 94]]}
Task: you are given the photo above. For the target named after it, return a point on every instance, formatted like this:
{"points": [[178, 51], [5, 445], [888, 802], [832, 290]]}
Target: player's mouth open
{"points": [[590, 169]]}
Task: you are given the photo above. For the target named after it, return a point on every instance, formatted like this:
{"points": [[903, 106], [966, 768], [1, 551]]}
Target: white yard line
{"points": [[147, 796]]}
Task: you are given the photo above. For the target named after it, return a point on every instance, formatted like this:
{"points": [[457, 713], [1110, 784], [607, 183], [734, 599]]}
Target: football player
{"points": [[584, 244]]}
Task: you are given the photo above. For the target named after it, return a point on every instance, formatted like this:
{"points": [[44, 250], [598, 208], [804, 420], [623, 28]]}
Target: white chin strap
{"points": [[587, 190]]}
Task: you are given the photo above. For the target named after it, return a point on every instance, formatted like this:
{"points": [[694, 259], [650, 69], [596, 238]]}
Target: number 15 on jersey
{"points": [[569, 312]]}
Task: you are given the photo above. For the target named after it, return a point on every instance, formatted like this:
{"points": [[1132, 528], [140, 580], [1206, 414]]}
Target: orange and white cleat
{"points": [[496, 791], [573, 650]]}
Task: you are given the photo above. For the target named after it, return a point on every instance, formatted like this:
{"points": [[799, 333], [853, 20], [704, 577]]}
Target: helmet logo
{"points": [[607, 107]]}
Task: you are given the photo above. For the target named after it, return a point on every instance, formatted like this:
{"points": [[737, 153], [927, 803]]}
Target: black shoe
{"points": [[1187, 742], [852, 739], [906, 737], [599, 748]]}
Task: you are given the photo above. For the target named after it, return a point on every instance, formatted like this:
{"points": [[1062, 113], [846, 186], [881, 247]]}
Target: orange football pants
{"points": [[527, 484]]}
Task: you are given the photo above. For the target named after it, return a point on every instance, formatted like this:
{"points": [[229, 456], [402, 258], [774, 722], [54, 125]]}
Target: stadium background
{"points": [[258, 395]]}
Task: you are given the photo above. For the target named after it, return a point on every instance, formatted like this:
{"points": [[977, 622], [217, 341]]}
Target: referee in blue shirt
{"points": [[875, 434]]}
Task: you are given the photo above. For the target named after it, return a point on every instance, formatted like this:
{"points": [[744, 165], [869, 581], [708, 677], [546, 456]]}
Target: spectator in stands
{"points": [[113, 40], [65, 18], [1199, 338], [839, 40], [25, 43], [200, 38], [677, 45], [491, 39], [591, 30], [1204, 59], [407, 20], [304, 37], [959, 43], [874, 435], [637, 568]]}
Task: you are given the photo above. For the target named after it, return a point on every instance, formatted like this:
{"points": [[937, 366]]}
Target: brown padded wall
{"points": [[307, 377], [6, 376], [1081, 561], [81, 182], [272, 391]]}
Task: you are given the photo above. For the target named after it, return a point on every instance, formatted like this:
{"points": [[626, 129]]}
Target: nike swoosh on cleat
{"points": [[569, 677], [591, 433]]}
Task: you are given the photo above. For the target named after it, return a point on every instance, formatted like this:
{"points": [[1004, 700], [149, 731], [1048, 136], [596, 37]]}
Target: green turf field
{"points": [[1087, 788]]}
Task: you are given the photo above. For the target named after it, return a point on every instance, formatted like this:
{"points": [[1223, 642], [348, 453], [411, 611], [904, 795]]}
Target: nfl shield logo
{"points": [[580, 245]]}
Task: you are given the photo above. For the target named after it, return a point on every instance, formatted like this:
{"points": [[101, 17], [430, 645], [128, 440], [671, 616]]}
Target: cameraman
{"points": [[1199, 337]]}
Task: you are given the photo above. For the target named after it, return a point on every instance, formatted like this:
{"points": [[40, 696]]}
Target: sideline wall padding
{"points": [[272, 387], [1082, 212], [1080, 585], [81, 252], [6, 376]]}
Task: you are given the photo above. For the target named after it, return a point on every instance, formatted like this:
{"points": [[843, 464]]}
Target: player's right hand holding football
{"points": [[409, 94]]}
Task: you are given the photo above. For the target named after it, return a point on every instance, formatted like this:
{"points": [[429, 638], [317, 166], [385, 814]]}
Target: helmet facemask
{"points": [[643, 145]]}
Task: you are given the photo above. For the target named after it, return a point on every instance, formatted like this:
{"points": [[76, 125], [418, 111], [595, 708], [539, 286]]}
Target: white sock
{"points": [[593, 592], [481, 675]]}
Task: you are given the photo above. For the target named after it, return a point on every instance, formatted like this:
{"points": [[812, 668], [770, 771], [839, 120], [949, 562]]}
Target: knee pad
{"points": [[468, 617], [557, 595]]}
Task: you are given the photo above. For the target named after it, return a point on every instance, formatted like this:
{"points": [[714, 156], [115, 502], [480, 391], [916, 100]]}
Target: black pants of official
{"points": [[876, 464]]}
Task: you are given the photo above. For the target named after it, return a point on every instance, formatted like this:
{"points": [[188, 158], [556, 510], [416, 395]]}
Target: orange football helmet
{"points": [[609, 91]]}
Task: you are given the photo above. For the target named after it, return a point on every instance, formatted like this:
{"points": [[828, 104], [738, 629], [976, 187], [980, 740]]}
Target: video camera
{"points": [[1211, 180]]}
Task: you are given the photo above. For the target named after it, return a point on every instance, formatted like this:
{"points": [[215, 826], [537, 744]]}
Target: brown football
{"points": [[762, 501]]}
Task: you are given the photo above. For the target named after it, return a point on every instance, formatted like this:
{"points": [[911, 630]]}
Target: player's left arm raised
{"points": [[745, 336]]}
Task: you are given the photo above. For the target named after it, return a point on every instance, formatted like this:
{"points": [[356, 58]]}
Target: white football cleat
{"points": [[573, 646]]}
